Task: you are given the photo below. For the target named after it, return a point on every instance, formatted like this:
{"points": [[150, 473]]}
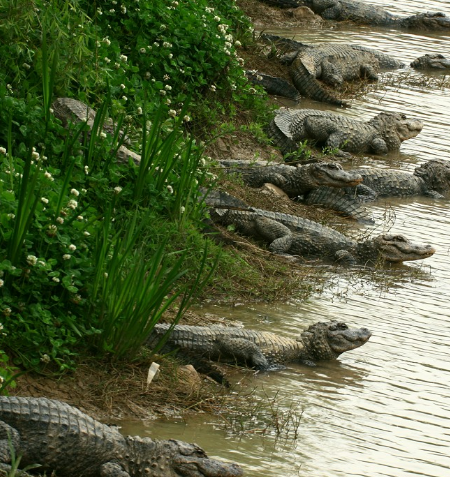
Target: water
{"points": [[383, 409]]}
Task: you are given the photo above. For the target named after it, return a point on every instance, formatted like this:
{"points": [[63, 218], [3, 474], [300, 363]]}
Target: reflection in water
{"points": [[384, 408]]}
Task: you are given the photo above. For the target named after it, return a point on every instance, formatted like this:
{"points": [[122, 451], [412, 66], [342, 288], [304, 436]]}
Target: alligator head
{"points": [[330, 174], [436, 174], [396, 128], [433, 61], [327, 340], [397, 248]]}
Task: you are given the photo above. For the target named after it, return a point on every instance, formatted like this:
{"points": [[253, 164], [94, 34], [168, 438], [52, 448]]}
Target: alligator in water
{"points": [[262, 349], [433, 61], [334, 64], [302, 180], [291, 235], [381, 134], [366, 14], [64, 440]]}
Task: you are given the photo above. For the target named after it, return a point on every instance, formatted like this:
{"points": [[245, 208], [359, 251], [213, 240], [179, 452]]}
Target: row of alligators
{"points": [[62, 439]]}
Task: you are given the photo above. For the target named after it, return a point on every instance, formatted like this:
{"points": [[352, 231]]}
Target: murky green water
{"points": [[383, 409]]}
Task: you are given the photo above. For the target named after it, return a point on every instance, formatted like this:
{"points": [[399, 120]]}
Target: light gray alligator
{"points": [[262, 349], [301, 182], [366, 14], [64, 440], [334, 64], [383, 133], [71, 110], [433, 61], [292, 235]]}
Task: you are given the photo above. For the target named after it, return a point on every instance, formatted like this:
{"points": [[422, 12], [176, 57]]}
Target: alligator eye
{"points": [[403, 116], [399, 238]]}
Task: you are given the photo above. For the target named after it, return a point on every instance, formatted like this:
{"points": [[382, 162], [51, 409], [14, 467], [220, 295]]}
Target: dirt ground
{"points": [[108, 391]]}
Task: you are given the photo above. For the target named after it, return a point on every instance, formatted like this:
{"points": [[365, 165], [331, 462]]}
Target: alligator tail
{"points": [[308, 85]]}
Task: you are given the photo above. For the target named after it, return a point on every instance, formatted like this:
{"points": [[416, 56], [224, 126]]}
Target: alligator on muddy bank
{"points": [[262, 349], [383, 133], [366, 14], [64, 440], [291, 235]]}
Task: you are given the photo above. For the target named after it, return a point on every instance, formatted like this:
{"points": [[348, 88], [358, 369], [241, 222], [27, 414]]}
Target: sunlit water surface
{"points": [[383, 409]]}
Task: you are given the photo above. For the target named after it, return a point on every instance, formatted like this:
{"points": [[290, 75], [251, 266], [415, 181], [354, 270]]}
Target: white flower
{"points": [[60, 220], [212, 88], [80, 217], [53, 228], [86, 233], [45, 357], [139, 110], [35, 155], [142, 50], [237, 43], [72, 247], [123, 8], [122, 86], [106, 274], [117, 190], [66, 256], [86, 170], [166, 77], [166, 44], [182, 209], [1, 282], [186, 118], [217, 19], [55, 279], [123, 57], [7, 311], [124, 98], [2, 150], [168, 87], [48, 175], [170, 56], [107, 60], [74, 192], [162, 92], [31, 259], [72, 204], [11, 216], [170, 189], [44, 200], [42, 263], [172, 113], [163, 27]]}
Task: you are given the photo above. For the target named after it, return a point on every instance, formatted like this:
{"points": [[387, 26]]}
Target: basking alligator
{"points": [[434, 61], [333, 64], [262, 349], [274, 85], [64, 440], [383, 133], [303, 180], [363, 13], [288, 234]]}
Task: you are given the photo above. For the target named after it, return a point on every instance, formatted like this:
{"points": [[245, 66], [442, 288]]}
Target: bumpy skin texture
{"points": [[288, 234], [335, 64], [383, 133], [71, 110], [361, 12], [63, 439], [262, 349], [434, 61]]}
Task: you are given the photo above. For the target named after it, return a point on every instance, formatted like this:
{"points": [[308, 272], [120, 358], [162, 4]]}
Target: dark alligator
{"points": [[334, 64], [434, 61], [366, 14], [262, 349], [64, 440], [274, 85], [292, 235], [301, 181], [383, 133]]}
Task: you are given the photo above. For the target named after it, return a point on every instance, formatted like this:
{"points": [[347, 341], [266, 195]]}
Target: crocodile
{"points": [[299, 182], [433, 61], [383, 133], [366, 14], [261, 349], [71, 110], [334, 64], [64, 440], [291, 235]]}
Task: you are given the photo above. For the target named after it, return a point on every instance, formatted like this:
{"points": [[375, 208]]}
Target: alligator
{"points": [[334, 64], [273, 85], [71, 110], [261, 349], [300, 181], [365, 14], [383, 133], [291, 235], [434, 61], [64, 440]]}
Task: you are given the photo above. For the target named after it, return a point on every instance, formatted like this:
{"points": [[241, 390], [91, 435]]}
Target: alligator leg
{"points": [[379, 146], [279, 236], [368, 72], [243, 351]]}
